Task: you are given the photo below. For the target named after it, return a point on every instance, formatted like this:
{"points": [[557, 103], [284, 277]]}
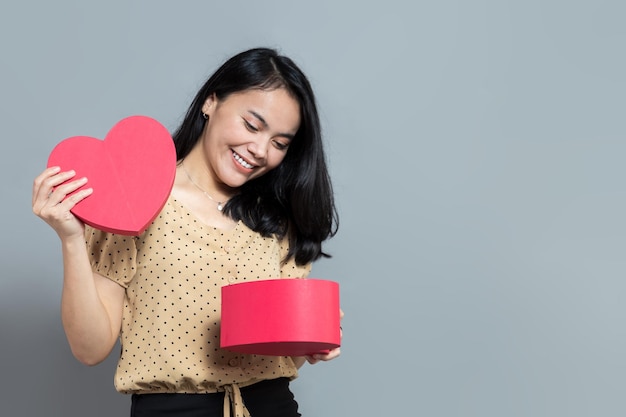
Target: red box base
{"points": [[281, 317]]}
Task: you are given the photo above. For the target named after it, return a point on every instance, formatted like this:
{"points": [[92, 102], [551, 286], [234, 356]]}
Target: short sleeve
{"points": [[290, 269], [111, 255]]}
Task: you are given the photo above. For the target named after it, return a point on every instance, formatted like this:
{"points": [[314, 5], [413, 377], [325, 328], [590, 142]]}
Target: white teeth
{"points": [[242, 162]]}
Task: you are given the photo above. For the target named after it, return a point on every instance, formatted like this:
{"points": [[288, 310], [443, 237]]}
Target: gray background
{"points": [[477, 152]]}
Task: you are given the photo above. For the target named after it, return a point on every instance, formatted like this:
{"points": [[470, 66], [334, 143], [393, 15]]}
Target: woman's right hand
{"points": [[50, 190]]}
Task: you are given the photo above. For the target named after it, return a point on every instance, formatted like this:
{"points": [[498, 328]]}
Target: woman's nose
{"points": [[258, 148]]}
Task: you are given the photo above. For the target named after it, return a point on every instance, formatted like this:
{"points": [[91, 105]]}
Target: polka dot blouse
{"points": [[173, 274]]}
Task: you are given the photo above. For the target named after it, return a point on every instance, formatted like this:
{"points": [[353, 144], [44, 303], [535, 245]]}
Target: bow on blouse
{"points": [[233, 398]]}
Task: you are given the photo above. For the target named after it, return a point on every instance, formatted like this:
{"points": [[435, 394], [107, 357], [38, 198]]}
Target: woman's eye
{"points": [[280, 145], [250, 126]]}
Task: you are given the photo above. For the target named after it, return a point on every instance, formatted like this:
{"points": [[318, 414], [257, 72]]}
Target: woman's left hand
{"points": [[312, 359]]}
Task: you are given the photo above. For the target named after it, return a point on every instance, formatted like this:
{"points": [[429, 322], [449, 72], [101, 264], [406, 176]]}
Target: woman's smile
{"points": [[242, 161]]}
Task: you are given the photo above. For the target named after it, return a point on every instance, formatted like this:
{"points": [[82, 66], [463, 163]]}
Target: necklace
{"points": [[220, 204]]}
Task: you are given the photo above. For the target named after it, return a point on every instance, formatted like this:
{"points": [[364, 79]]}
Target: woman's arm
{"points": [[91, 306]]}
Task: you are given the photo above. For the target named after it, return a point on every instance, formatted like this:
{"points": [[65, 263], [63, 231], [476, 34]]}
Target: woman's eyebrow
{"points": [[258, 116]]}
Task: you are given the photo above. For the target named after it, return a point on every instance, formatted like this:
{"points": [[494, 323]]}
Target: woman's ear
{"points": [[209, 105]]}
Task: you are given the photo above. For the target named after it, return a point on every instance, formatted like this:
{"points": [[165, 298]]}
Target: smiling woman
{"points": [[246, 135], [251, 200]]}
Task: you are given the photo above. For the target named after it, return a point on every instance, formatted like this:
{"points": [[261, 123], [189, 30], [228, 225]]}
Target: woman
{"points": [[251, 200]]}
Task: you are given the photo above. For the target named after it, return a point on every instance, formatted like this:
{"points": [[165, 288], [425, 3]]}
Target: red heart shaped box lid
{"points": [[131, 172], [281, 317]]}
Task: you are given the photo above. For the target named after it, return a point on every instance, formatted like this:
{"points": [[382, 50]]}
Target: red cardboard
{"points": [[281, 317], [131, 172]]}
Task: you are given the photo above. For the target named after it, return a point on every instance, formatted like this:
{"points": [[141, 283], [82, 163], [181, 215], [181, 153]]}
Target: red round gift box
{"points": [[280, 317]]}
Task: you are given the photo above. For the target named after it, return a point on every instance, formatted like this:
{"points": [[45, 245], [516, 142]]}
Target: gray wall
{"points": [[477, 151]]}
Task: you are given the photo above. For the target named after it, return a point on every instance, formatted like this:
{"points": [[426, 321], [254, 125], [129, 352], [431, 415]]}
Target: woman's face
{"points": [[248, 133]]}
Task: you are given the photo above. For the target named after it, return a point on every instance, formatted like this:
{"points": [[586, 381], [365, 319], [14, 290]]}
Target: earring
{"points": [[206, 116]]}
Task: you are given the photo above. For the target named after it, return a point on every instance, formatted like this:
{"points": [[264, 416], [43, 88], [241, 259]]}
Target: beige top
{"points": [[173, 274]]}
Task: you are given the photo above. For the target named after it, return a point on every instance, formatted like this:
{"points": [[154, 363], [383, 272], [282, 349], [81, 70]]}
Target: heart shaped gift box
{"points": [[131, 172], [281, 317]]}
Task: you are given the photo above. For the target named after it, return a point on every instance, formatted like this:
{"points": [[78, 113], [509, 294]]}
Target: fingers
{"points": [[341, 318], [58, 194], [55, 193], [51, 187], [313, 359], [41, 179], [323, 357], [46, 182]]}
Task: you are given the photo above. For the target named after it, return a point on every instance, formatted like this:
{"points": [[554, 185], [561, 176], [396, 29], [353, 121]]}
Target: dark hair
{"points": [[294, 199]]}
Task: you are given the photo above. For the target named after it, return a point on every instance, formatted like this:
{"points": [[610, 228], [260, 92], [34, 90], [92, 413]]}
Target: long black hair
{"points": [[295, 199]]}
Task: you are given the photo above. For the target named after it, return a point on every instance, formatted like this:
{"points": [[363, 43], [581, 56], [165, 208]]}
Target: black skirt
{"points": [[271, 398]]}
